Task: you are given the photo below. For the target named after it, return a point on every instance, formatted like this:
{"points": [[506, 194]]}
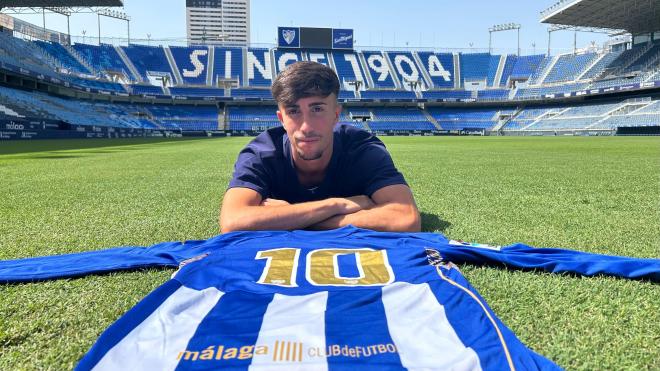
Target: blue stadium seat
{"points": [[463, 118], [148, 59], [569, 66], [62, 55], [440, 67], [103, 57], [598, 68], [197, 92], [25, 54], [228, 65], [479, 66], [256, 118], [286, 57], [252, 93], [318, 56], [525, 66], [349, 69], [378, 69], [388, 94], [192, 63], [259, 67], [450, 95], [493, 94], [406, 69], [185, 117], [146, 89]]}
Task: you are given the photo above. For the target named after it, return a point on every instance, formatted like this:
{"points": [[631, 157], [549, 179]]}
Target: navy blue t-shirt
{"points": [[360, 165]]}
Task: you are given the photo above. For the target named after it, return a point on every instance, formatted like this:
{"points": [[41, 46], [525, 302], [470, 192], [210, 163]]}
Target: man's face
{"points": [[309, 124]]}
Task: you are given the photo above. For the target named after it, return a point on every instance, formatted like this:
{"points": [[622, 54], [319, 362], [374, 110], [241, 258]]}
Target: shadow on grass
{"points": [[47, 145], [433, 223]]}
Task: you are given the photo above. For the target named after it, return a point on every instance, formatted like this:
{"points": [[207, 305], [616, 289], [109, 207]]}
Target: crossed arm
{"points": [[391, 208]]}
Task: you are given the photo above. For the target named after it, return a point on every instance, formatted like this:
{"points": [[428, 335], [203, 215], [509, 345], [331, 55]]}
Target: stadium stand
{"points": [[388, 94], [227, 66], [479, 67], [191, 63], [525, 66], [348, 69], [598, 68], [187, 117], [146, 89], [77, 112], [286, 57], [63, 56], [259, 67], [252, 93], [148, 60], [256, 118], [197, 92], [158, 76], [406, 70], [568, 67], [509, 65], [379, 70], [493, 94], [318, 56], [440, 68], [104, 57], [446, 94], [461, 118], [343, 94], [398, 119], [23, 53]]}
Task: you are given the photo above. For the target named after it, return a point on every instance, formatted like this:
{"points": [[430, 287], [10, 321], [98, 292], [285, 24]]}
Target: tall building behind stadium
{"points": [[218, 22]]}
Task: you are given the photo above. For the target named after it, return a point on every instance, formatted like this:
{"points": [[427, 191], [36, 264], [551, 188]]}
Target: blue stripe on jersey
{"points": [[228, 333], [494, 343], [118, 330], [357, 334], [347, 266]]}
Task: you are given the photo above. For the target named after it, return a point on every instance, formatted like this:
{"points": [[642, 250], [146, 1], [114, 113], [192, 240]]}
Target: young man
{"points": [[311, 173]]}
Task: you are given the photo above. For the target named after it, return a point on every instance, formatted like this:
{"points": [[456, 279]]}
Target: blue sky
{"points": [[390, 23]]}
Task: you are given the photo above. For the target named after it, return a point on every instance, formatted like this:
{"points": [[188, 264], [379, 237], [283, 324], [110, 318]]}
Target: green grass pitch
{"points": [[598, 194]]}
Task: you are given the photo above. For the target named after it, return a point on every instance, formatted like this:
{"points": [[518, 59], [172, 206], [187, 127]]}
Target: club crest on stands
{"points": [[289, 35]]}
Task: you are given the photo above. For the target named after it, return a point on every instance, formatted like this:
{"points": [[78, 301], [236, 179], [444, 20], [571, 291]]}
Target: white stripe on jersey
{"points": [[421, 331], [291, 327], [155, 343]]}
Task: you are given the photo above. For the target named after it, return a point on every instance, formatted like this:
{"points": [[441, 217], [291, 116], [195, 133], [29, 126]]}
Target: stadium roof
{"points": [[634, 16], [58, 3]]}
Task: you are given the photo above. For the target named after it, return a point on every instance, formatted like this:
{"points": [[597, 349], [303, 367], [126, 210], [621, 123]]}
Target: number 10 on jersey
{"points": [[323, 267]]}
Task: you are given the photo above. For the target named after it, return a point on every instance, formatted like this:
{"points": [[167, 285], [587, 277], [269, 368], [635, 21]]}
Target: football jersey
{"points": [[336, 299], [313, 304], [171, 254]]}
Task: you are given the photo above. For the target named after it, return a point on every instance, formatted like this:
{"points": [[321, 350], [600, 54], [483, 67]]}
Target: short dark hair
{"points": [[302, 80]]}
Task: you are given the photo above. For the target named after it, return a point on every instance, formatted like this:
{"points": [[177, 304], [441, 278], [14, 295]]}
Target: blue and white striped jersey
{"points": [[340, 299], [330, 301]]}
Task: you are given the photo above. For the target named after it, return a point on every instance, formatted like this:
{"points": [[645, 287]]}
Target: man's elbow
{"points": [[229, 224], [412, 222], [226, 228], [407, 220]]}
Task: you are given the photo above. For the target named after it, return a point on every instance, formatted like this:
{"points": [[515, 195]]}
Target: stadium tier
{"points": [[224, 77]]}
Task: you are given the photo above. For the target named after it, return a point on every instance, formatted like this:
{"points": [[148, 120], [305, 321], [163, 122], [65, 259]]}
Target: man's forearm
{"points": [[392, 217], [282, 217]]}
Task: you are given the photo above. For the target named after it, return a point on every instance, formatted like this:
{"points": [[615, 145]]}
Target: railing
{"points": [[556, 6]]}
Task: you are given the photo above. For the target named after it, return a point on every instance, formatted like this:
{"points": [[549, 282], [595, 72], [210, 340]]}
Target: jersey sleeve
{"points": [[374, 166], [250, 172]]}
